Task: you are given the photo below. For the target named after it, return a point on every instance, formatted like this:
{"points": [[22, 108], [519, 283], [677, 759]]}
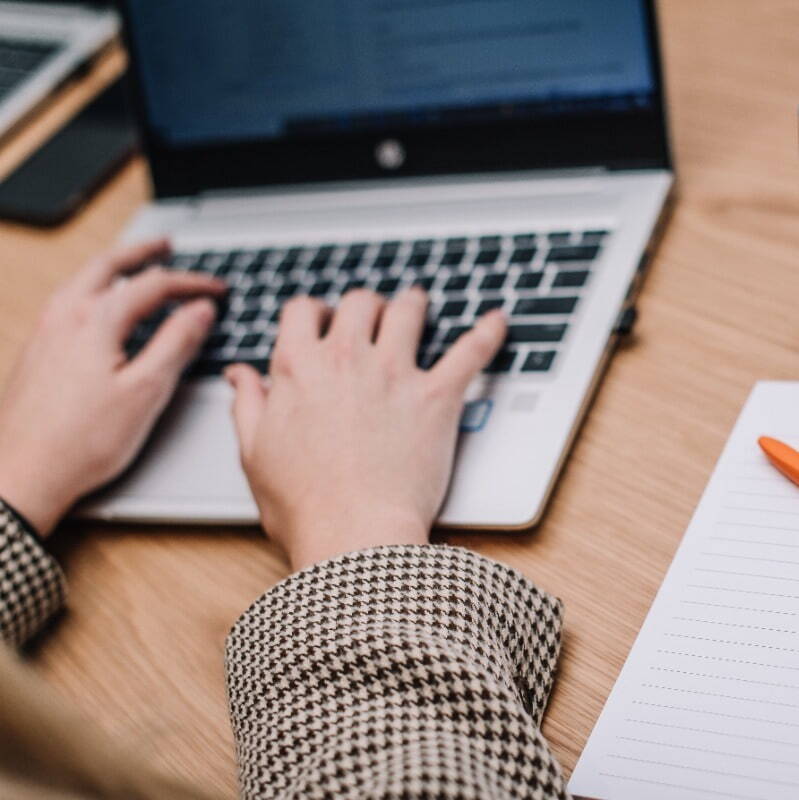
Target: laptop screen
{"points": [[272, 70]]}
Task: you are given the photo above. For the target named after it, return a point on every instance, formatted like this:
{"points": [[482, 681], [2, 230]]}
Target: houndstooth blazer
{"points": [[397, 672]]}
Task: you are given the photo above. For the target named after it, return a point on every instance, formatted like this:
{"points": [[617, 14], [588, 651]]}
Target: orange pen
{"points": [[783, 457]]}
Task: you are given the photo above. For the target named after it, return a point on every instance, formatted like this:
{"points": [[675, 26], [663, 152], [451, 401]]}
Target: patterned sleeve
{"points": [[397, 672], [32, 585]]}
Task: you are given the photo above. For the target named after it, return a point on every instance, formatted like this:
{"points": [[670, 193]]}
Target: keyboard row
{"points": [[537, 280]]}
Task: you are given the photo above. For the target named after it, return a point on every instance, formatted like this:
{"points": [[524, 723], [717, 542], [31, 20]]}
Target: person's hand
{"points": [[348, 444], [76, 410]]}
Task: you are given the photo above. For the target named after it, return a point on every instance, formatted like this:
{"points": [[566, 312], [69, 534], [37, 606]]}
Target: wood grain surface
{"points": [[141, 646]]}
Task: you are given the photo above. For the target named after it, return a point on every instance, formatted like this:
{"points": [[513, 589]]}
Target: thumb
{"points": [[248, 403]]}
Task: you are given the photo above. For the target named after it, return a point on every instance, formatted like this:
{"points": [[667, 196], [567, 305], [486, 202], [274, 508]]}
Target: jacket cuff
{"points": [[32, 584], [503, 620]]}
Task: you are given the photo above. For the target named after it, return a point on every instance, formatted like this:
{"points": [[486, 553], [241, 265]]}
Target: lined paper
{"points": [[707, 704]]}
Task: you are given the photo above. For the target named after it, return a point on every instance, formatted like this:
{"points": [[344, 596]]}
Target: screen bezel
{"points": [[636, 139]]}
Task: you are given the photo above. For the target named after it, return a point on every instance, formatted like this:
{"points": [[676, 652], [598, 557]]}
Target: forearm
{"points": [[423, 669], [32, 585]]}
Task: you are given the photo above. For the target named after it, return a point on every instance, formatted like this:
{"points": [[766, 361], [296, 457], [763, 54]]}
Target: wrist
{"points": [[30, 494], [325, 538]]}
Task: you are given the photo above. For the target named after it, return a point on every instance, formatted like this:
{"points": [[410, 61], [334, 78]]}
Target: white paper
{"points": [[707, 704]]}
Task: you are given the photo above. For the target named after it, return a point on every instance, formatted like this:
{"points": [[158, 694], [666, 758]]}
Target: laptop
{"points": [[43, 44], [500, 153]]}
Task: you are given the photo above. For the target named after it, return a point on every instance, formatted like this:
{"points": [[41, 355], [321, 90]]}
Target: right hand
{"points": [[349, 444]]}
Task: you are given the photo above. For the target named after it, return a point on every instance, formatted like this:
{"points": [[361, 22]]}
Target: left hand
{"points": [[76, 410]]}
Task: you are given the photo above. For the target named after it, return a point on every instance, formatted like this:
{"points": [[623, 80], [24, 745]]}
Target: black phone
{"points": [[66, 170]]}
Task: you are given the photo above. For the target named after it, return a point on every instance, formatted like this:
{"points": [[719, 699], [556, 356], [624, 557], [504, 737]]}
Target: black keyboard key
{"points": [[493, 281], [255, 292], [320, 288], [249, 314], [389, 249], [487, 257], [577, 253], [388, 285], [422, 246], [560, 237], [418, 260], [425, 283], [594, 237], [536, 333], [571, 279], [530, 280], [454, 333], [353, 284], [502, 363], [457, 283], [288, 263], [539, 361], [524, 240], [207, 366], [384, 262], [456, 244], [357, 250], [350, 263], [544, 305], [250, 340], [452, 258], [216, 341], [489, 305], [523, 255], [490, 243], [287, 290], [453, 308], [319, 261]]}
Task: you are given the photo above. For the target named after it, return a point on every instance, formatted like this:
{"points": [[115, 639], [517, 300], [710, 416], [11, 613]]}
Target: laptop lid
{"points": [[254, 93]]}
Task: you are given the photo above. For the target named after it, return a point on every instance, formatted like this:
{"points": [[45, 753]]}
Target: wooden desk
{"points": [[141, 649]]}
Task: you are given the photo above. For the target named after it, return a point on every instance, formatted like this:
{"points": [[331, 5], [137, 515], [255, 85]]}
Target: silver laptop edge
{"points": [[83, 32]]}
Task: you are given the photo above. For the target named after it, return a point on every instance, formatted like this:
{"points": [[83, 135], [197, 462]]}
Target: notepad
{"points": [[707, 704]]}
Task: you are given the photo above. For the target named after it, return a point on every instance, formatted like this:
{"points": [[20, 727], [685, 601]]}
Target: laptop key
{"points": [[418, 260], [255, 292], [425, 283], [538, 361], [559, 237], [453, 308], [287, 290], [457, 283], [489, 305], [384, 262], [249, 314], [493, 281], [503, 362], [544, 305], [525, 240], [487, 257], [320, 288], [523, 255], [388, 285], [536, 333], [571, 279], [452, 258], [350, 263], [490, 243], [530, 280], [250, 340], [576, 253], [457, 243]]}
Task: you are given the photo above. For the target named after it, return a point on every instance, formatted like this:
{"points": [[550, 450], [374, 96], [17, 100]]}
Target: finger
{"points": [[302, 322], [472, 352], [248, 402], [144, 294], [402, 324], [176, 342], [357, 317], [101, 271]]}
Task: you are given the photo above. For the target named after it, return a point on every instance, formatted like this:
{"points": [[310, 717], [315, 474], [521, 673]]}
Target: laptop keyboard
{"points": [[539, 280], [19, 59]]}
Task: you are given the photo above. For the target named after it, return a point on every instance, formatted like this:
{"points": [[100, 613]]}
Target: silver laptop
{"points": [[501, 153], [42, 44]]}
